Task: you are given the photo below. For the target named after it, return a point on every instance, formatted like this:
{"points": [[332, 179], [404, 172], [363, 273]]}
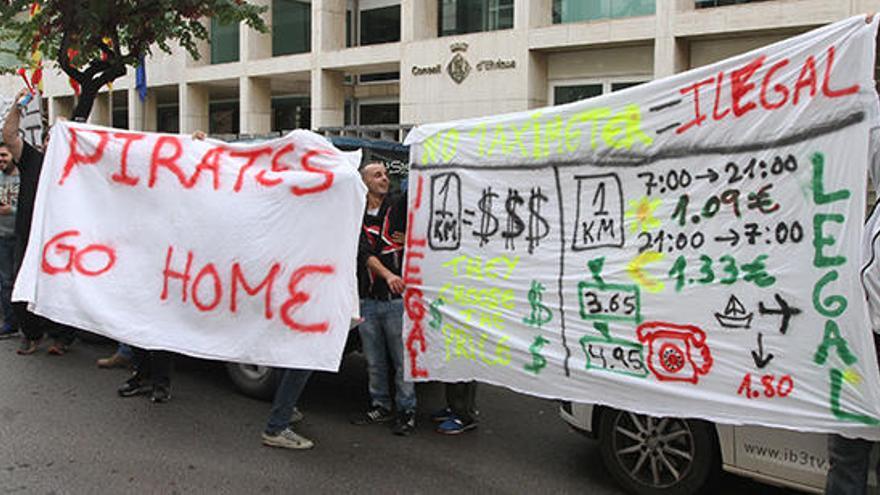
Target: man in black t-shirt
{"points": [[29, 161]]}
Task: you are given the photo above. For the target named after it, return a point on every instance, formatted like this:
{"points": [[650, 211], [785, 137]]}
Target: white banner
{"points": [[688, 247], [225, 251]]}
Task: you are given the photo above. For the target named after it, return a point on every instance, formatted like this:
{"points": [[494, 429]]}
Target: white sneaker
{"points": [[287, 439]]}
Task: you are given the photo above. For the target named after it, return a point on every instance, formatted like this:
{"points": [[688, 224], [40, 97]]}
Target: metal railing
{"points": [[385, 132], [706, 4]]}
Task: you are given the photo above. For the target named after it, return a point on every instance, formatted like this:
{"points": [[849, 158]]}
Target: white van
{"points": [[648, 455]]}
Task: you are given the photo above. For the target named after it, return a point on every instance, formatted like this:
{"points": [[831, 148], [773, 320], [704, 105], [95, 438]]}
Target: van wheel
{"points": [[254, 381], [658, 456]]}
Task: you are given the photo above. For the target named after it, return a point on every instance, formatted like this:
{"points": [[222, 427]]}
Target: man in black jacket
{"points": [[380, 258]]}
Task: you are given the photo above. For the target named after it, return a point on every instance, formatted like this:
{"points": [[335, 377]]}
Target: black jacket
{"points": [[376, 241]]}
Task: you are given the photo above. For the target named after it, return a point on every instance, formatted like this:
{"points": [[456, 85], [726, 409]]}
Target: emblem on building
{"points": [[458, 68]]}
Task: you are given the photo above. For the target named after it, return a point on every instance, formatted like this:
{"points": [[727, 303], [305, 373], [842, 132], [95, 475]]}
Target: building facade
{"points": [[389, 63]]}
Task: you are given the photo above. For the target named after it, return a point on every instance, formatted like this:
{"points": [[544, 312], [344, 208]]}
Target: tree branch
{"points": [[114, 72], [95, 68], [115, 38], [64, 60]]}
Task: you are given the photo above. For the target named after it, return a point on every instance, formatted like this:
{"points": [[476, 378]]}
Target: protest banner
{"points": [[238, 252], [689, 247]]}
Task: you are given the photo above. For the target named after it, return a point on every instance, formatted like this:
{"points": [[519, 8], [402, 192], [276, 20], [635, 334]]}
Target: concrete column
{"points": [[528, 14], [255, 110], [671, 55], [418, 20], [193, 108], [204, 49], [537, 79], [101, 110], [142, 114], [60, 106], [328, 98], [328, 25], [252, 44]]}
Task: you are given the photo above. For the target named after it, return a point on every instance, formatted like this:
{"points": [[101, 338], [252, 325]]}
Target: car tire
{"points": [[658, 456], [254, 381]]}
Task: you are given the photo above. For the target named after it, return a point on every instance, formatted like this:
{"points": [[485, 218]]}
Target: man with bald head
{"points": [[380, 259]]}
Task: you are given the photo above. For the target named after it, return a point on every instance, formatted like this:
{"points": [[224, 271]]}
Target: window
{"points": [[168, 118], [617, 86], [591, 10], [291, 112], [575, 91], [705, 4], [379, 77], [380, 25], [568, 94], [369, 22], [472, 16], [224, 42], [223, 117], [8, 46], [291, 27], [349, 29], [378, 113], [120, 118]]}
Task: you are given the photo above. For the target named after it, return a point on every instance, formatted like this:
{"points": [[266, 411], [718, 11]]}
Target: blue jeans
{"points": [[124, 350], [382, 338], [849, 459], [286, 396], [7, 278]]}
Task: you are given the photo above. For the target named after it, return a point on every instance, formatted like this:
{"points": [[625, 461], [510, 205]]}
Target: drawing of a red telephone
{"points": [[676, 353]]}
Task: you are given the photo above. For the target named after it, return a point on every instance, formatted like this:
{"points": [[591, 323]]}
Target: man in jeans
{"points": [[8, 202], [278, 432], [380, 256]]}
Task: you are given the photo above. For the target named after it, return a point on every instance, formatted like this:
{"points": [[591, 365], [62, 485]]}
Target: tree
{"points": [[94, 41]]}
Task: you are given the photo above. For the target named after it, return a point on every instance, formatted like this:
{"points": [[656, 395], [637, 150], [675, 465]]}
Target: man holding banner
{"points": [[30, 162], [850, 457]]}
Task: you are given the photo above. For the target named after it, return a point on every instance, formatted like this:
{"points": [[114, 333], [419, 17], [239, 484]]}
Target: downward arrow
{"points": [[760, 359], [602, 327]]}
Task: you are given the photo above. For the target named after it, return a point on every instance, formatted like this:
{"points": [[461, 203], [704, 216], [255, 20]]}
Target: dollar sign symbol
{"points": [[540, 314], [538, 226], [436, 317], [539, 362], [515, 225], [487, 219]]}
